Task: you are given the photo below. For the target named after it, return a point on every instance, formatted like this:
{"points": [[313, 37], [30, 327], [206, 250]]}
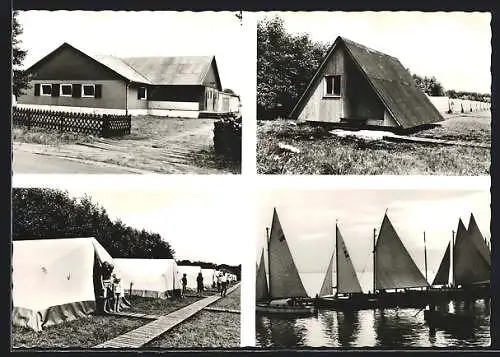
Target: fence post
{"points": [[105, 126], [129, 123]]}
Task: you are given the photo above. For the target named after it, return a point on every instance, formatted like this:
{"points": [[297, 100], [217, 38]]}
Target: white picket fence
{"points": [[445, 104]]}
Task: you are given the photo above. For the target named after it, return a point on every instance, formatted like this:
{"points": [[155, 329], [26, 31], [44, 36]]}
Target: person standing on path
{"points": [[199, 281], [184, 284], [223, 284]]}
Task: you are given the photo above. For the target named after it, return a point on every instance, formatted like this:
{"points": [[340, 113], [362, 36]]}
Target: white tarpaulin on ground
{"points": [[191, 274], [55, 280], [149, 277]]}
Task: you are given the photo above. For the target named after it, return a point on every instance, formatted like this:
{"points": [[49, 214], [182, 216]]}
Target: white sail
{"points": [[443, 275], [327, 286], [347, 280], [394, 267], [261, 290], [478, 240], [469, 266], [284, 279]]}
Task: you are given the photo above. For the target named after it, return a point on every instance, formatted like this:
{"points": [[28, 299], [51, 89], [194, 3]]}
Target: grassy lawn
{"points": [[207, 158], [80, 333], [156, 144], [231, 301], [323, 153], [157, 306]]}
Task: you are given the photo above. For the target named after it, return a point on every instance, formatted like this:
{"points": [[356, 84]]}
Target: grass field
{"points": [[157, 306], [323, 153], [80, 333], [206, 328], [162, 145]]}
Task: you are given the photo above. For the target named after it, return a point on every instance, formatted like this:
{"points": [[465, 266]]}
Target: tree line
{"points": [[287, 62], [40, 213]]}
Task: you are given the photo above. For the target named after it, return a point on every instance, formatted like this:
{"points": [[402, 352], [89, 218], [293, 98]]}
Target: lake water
{"points": [[394, 328]]}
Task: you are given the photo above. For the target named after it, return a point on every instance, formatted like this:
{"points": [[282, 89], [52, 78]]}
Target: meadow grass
{"points": [[322, 153], [206, 328], [81, 333], [154, 306]]}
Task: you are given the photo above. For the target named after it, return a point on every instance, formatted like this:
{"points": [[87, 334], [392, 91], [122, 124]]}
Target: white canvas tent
{"points": [[55, 280], [149, 277], [208, 277], [191, 274]]}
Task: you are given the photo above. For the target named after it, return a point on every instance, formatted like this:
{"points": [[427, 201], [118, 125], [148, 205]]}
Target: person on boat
{"points": [[184, 284], [199, 282]]}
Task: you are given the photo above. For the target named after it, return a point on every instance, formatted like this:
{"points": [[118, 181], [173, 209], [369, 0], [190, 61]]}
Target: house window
{"points": [[141, 93], [88, 90], [46, 89], [66, 90], [332, 85]]}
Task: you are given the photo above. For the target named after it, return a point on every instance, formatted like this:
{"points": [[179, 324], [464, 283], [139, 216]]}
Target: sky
{"points": [[455, 47], [199, 224], [138, 34], [308, 221]]}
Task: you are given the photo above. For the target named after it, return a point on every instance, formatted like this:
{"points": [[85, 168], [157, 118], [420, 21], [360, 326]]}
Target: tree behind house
{"points": [[20, 78], [285, 65]]}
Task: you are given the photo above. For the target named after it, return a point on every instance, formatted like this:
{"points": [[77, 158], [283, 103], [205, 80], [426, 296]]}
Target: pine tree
{"points": [[20, 79]]}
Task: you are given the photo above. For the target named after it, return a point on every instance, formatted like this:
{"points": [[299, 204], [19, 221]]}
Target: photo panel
{"points": [[373, 93], [129, 264], [401, 265], [157, 92]]}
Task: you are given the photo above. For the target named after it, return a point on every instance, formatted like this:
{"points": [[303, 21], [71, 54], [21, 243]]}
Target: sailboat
{"points": [[395, 270], [348, 291], [470, 264], [286, 293]]}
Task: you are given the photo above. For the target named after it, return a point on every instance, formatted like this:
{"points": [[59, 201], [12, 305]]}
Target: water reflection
{"points": [[383, 328]]}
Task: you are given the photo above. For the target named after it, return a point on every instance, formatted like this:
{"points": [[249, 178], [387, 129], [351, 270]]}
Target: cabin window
{"points": [[88, 90], [332, 85], [66, 90], [46, 89], [141, 93]]}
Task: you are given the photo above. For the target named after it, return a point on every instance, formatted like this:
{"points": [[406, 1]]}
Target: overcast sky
{"points": [[137, 34], [455, 47], [308, 221], [199, 224]]}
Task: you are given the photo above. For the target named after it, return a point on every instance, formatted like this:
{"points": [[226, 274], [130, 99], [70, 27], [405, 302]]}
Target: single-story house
{"points": [[67, 79], [356, 84]]}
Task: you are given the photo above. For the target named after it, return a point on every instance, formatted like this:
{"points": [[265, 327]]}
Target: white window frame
{"points": [[145, 93], [83, 90], [41, 89], [332, 95], [61, 91]]}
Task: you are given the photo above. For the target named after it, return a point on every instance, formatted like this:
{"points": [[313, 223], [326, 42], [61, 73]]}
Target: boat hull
{"points": [[264, 308], [407, 299]]}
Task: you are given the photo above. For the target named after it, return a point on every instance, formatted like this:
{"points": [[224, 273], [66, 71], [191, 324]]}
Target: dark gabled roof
{"points": [[179, 70], [392, 83]]}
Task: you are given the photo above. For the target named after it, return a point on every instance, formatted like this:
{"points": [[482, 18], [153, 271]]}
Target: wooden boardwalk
{"points": [[142, 335]]}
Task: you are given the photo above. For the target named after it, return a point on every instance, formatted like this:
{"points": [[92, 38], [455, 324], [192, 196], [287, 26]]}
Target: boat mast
{"points": [[268, 259], [336, 261], [374, 260], [452, 258], [425, 256]]}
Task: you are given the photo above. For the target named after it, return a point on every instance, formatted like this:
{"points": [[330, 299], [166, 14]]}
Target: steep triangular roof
{"points": [[172, 70], [390, 80]]}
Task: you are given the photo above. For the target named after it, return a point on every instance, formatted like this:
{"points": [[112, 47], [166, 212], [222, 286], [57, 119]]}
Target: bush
{"points": [[227, 137]]}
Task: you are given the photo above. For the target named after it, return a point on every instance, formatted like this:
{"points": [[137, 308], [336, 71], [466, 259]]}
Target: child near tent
{"points": [[184, 284], [107, 270], [218, 282], [199, 281], [117, 291]]}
